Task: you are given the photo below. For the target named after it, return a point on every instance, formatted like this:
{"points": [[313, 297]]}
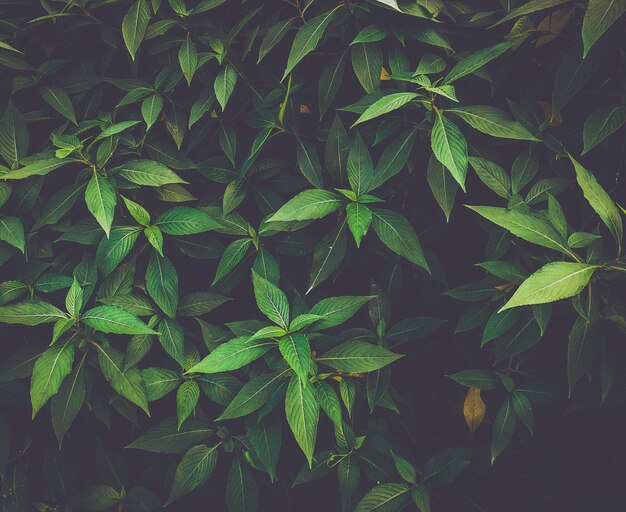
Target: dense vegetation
{"points": [[311, 254]]}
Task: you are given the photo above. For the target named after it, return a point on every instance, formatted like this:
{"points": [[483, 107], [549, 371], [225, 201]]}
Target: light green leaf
{"points": [[271, 301], [302, 411], [336, 310], [442, 185], [492, 175], [232, 355], [184, 220], [187, 398], [310, 204], [30, 313], [232, 256], [49, 371], [358, 357], [148, 172], [328, 255], [151, 108], [101, 200], [114, 320], [188, 59], [12, 232], [384, 498], [527, 225], [492, 121], [296, 350], [111, 251], [476, 60], [225, 85], [307, 38], [600, 201], [450, 147], [554, 281], [359, 220]]}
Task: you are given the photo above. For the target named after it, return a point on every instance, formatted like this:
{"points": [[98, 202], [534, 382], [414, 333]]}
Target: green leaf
{"points": [[151, 108], [96, 498], [523, 408], [265, 437], [330, 81], [309, 162], [14, 137], [600, 201], [503, 429], [336, 150], [271, 301], [49, 371], [253, 395], [232, 256], [273, 36], [165, 437], [225, 85], [59, 101], [367, 62], [183, 220], [582, 350], [127, 383], [162, 283], [187, 398], [310, 204], [58, 205], [360, 166], [155, 237], [12, 232], [188, 59], [242, 494], [232, 355], [554, 281], [450, 147], [359, 220], [572, 75], [397, 234], [114, 320], [328, 255], [527, 225], [481, 379], [307, 38], [358, 357], [394, 158], [384, 498], [134, 26], [30, 313], [199, 303], [111, 251], [530, 7], [172, 339], [492, 121], [599, 17], [302, 411], [148, 172], [370, 34], [101, 200], [442, 185], [336, 310], [476, 60], [74, 299], [193, 470], [158, 382], [296, 350], [138, 212], [602, 123], [37, 168], [66, 404], [492, 175]]}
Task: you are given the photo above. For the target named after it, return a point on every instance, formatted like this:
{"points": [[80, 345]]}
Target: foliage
{"points": [[233, 252]]}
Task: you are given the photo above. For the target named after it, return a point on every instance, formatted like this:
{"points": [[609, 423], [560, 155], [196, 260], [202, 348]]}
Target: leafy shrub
{"points": [[210, 252]]}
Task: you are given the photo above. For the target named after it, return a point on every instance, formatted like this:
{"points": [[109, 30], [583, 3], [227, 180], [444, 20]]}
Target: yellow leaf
{"points": [[474, 409], [304, 109], [384, 74]]}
